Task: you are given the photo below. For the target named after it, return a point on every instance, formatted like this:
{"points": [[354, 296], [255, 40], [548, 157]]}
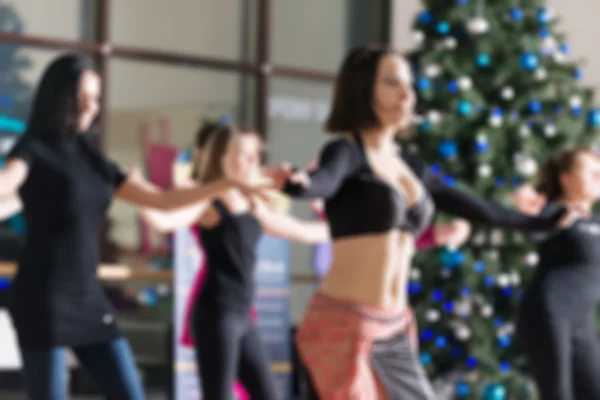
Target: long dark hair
{"points": [[212, 154], [55, 110], [549, 177], [204, 133], [352, 107]]}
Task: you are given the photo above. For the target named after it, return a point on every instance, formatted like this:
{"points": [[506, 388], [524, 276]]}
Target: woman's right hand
{"points": [[284, 173]]}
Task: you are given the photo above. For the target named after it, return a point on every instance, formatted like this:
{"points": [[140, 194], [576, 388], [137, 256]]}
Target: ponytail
{"points": [[549, 180]]}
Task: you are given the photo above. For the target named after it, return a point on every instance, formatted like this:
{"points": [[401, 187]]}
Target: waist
{"points": [[227, 293], [371, 270]]}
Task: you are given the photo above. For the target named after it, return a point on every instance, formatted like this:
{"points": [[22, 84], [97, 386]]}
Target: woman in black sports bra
{"points": [[227, 341], [352, 338]]}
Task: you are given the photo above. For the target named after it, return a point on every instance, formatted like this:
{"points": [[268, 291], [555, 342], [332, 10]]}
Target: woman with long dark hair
{"points": [[557, 319], [65, 185], [352, 338], [226, 338]]}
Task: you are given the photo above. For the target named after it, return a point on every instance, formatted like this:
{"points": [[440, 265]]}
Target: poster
{"points": [[272, 304]]}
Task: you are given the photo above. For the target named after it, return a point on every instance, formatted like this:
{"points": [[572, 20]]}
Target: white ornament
{"points": [[575, 101], [515, 278], [445, 273], [484, 171], [495, 121], [550, 130], [532, 259], [486, 310], [506, 330], [415, 274], [481, 138], [540, 74], [462, 333], [418, 37], [163, 290], [507, 93], [478, 26], [432, 315], [433, 70], [503, 280], [434, 117], [463, 308], [526, 166], [493, 255], [559, 57], [497, 237], [524, 131], [413, 148], [450, 43], [549, 44], [479, 238], [465, 83]]}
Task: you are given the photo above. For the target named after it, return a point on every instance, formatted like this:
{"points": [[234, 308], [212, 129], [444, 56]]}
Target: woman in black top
{"points": [[65, 185], [557, 321], [227, 340], [353, 338]]}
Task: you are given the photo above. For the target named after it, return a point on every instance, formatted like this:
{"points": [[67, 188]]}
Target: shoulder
{"points": [[341, 146]]}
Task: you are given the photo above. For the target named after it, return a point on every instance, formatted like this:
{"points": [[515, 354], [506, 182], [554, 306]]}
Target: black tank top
{"points": [[230, 249]]}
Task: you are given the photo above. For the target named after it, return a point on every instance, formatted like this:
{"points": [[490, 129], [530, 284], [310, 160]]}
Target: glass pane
{"points": [[61, 19], [146, 93], [316, 34], [297, 110], [208, 28]]}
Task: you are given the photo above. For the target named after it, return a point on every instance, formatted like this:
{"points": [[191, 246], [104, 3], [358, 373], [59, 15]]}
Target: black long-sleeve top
{"points": [[357, 202]]}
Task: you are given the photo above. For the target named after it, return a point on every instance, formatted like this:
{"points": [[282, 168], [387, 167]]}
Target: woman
{"points": [[352, 338], [226, 338], [557, 319], [65, 186]]}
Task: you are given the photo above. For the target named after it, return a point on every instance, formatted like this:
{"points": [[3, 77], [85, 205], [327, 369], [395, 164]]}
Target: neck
{"points": [[582, 203], [378, 138]]}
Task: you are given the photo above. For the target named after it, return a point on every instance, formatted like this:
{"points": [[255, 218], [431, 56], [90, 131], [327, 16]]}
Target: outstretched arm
{"points": [[9, 206], [338, 160], [288, 227], [474, 209]]}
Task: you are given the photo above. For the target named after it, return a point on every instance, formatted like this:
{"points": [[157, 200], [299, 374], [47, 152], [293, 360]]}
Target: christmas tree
{"points": [[497, 95]]}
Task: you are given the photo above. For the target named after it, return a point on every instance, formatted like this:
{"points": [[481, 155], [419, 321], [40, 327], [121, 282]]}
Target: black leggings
{"points": [[562, 346], [228, 346]]}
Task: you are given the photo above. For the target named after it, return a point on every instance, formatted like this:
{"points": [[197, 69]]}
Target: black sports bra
{"points": [[357, 202]]}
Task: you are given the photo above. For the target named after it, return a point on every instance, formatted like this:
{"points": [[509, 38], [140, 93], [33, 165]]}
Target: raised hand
{"points": [[570, 217], [461, 231]]}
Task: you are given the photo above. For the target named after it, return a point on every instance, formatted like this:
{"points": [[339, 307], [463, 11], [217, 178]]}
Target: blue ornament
{"points": [[578, 74], [437, 295], [497, 112], [544, 33], [456, 352], [441, 342], [507, 291], [435, 169], [529, 61], [479, 266], [516, 14], [504, 366], [483, 60], [534, 106], [4, 284], [443, 28], [414, 288], [427, 334], [543, 16], [576, 111], [593, 118], [471, 362], [453, 87], [425, 17], [449, 306], [498, 322], [425, 358], [425, 126], [464, 107], [463, 389], [494, 392], [499, 181], [564, 48], [448, 149], [448, 180], [465, 291], [489, 281], [423, 84], [516, 181], [504, 341], [514, 115], [481, 146]]}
